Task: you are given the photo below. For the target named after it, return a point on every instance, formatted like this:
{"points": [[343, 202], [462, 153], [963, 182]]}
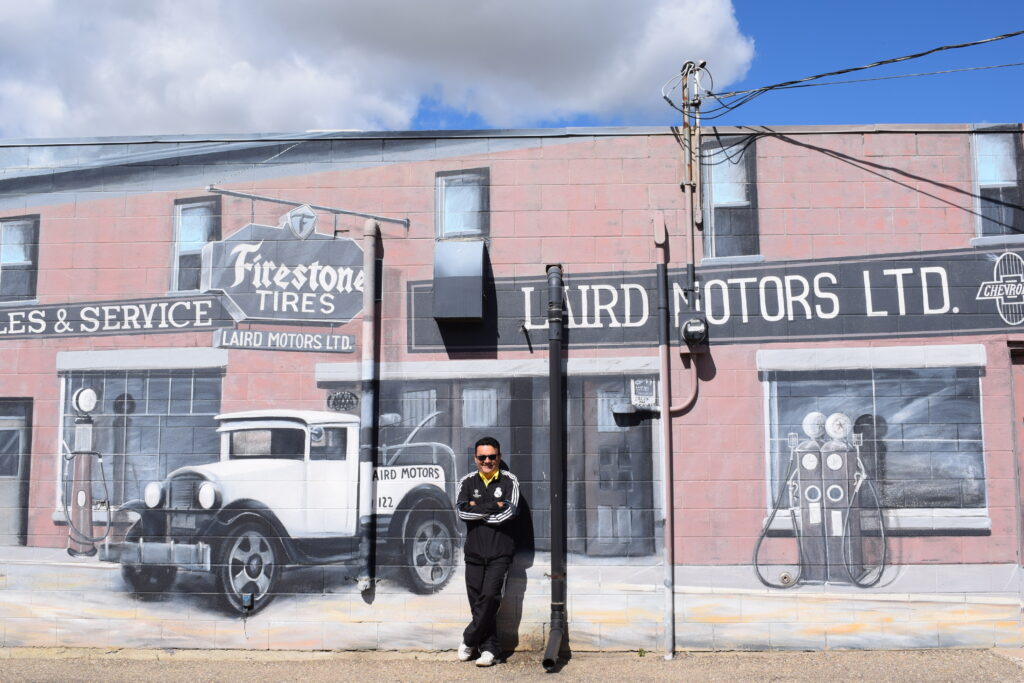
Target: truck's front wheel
{"points": [[248, 563], [429, 551], [146, 578]]}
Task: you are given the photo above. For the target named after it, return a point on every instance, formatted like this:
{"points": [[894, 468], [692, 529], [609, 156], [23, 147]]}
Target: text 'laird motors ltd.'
{"points": [[888, 295]]}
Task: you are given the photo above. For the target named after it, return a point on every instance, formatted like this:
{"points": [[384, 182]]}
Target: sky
{"points": [[86, 68]]}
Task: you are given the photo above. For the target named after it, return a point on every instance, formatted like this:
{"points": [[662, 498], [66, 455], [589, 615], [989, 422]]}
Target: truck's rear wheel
{"points": [[248, 564], [146, 578], [429, 555]]}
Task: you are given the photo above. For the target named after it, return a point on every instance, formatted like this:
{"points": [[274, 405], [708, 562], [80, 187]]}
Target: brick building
{"points": [[847, 475]]}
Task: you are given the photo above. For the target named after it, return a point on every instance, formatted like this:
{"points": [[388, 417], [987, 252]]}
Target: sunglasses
{"points": [[481, 458]]}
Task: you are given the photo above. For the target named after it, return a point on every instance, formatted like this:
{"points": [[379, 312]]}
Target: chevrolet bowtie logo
{"points": [[1007, 288]]}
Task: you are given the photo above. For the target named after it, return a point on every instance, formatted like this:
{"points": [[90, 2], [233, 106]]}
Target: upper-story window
{"points": [[997, 159], [463, 203], [730, 197], [19, 257], [196, 222]]}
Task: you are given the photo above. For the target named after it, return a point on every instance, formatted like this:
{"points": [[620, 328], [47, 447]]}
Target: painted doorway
{"points": [[15, 450], [618, 474]]}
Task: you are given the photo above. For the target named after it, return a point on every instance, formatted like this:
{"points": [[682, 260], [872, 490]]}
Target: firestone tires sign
{"points": [[288, 273]]}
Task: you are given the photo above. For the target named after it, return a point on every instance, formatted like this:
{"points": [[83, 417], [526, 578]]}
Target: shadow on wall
{"points": [[511, 614]]}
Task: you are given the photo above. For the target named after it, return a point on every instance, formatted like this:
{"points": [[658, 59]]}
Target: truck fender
{"points": [[244, 510], [422, 497], [151, 522]]}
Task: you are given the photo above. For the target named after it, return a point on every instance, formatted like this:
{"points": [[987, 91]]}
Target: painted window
{"points": [[418, 405], [730, 197], [196, 222], [479, 407], [463, 203], [19, 250], [146, 425], [921, 429], [997, 159], [328, 443]]}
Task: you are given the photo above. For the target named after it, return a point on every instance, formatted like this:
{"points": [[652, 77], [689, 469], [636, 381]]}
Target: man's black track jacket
{"points": [[489, 533]]}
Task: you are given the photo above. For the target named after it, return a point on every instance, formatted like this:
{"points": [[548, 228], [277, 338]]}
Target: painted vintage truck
{"points": [[286, 491]]}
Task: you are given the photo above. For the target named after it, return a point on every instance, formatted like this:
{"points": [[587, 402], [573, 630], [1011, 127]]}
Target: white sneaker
{"points": [[486, 659], [465, 652]]}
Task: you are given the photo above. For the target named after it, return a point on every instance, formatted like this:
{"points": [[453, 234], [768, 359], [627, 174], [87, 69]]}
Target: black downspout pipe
{"points": [[557, 630]]}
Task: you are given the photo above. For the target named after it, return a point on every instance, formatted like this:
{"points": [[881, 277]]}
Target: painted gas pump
{"points": [[824, 484], [78, 510]]}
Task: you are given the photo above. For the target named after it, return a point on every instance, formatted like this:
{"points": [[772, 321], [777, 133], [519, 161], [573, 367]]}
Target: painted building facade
{"points": [[848, 475]]}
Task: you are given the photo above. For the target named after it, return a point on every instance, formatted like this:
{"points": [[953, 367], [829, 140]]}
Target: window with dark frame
{"points": [[730, 197], [921, 429], [19, 257], [147, 424], [998, 158], [463, 203], [196, 222]]}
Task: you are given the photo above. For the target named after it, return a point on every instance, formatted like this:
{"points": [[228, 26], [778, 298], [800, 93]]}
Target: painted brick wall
{"points": [[842, 202]]}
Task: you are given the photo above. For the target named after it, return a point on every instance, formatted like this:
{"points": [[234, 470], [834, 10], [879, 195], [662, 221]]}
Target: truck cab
{"points": [[286, 491]]}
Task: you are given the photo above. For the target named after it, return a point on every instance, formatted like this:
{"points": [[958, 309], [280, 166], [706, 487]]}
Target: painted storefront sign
{"points": [[276, 340], [288, 273], [141, 316], [937, 293]]}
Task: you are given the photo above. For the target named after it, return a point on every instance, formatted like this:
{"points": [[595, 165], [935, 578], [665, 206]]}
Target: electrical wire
{"points": [[725, 104], [886, 78], [882, 62]]}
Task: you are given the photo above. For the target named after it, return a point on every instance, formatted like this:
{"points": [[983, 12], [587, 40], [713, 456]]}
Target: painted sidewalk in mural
{"points": [[49, 599]]}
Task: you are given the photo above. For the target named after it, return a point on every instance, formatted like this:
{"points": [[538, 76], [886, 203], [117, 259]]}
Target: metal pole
{"points": [[556, 392], [665, 430], [367, 430]]}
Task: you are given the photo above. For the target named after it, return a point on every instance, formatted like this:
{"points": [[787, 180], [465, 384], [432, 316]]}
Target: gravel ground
{"points": [[41, 664]]}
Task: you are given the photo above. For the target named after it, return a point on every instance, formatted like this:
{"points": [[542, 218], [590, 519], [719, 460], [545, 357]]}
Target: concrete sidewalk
{"points": [[903, 666]]}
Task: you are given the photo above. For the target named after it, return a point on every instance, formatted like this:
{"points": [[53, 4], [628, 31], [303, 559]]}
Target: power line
{"points": [[885, 78], [724, 105], [870, 66]]}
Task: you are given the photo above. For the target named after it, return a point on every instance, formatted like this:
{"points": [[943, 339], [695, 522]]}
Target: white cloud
{"points": [[118, 67]]}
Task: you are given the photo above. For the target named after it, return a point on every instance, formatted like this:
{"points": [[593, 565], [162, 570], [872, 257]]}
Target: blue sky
{"points": [[798, 38], [117, 67]]}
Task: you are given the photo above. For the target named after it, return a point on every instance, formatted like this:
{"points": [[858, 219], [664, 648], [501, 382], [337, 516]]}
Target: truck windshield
{"points": [[284, 444]]}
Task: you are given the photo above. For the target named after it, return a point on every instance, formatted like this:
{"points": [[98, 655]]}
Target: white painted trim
{"points": [[917, 519], [142, 359], [873, 357], [731, 260], [487, 369], [997, 241]]}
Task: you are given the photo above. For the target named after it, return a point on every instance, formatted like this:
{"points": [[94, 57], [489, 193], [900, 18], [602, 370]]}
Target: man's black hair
{"points": [[488, 441]]}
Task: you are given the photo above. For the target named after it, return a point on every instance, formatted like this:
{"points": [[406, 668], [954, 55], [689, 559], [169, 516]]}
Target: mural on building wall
{"points": [[243, 496], [194, 495]]}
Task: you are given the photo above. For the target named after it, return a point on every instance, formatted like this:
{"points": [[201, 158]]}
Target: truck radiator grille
{"points": [[182, 493]]}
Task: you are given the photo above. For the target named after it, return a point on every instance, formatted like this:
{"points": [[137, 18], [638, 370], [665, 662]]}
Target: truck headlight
{"points": [[153, 494], [207, 495]]}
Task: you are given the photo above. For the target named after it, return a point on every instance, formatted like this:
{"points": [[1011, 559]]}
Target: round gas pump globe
{"points": [[153, 494], [84, 400], [814, 424], [838, 425]]}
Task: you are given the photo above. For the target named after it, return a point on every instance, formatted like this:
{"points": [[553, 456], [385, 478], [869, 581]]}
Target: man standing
{"points": [[488, 500]]}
